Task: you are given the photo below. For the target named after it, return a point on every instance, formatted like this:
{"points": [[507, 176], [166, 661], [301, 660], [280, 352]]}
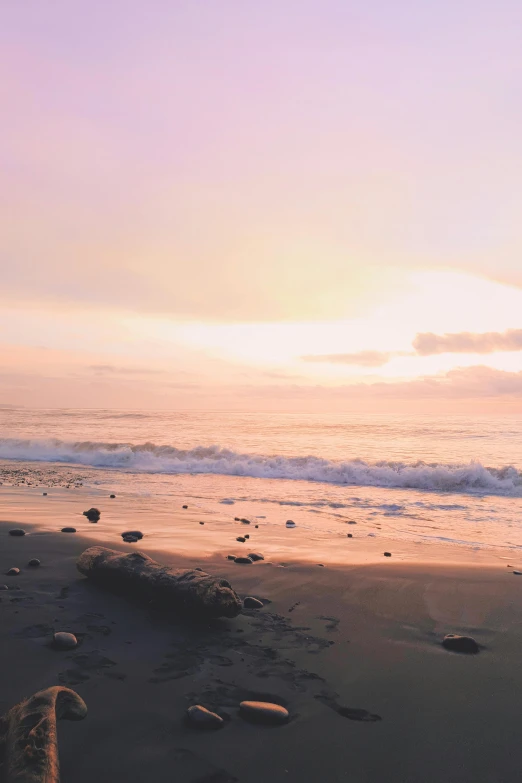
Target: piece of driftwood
{"points": [[186, 591], [28, 737]]}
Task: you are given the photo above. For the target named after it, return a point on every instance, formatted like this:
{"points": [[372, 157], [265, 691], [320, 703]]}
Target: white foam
{"points": [[151, 458]]}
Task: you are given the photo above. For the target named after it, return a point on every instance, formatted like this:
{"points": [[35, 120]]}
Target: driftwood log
{"points": [[183, 590], [28, 737]]}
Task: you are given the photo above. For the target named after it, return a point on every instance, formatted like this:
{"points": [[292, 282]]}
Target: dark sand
{"points": [[353, 651]]}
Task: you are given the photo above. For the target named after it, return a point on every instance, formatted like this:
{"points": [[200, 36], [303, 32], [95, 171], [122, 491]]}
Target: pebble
{"points": [[68, 530], [263, 712], [236, 519], [231, 557], [349, 535], [17, 531], [134, 533], [93, 514], [245, 521], [184, 506], [256, 556], [321, 565], [65, 641], [290, 523], [4, 587], [517, 573], [44, 493], [240, 538], [201, 523], [13, 572], [204, 719], [256, 526], [246, 536], [352, 522], [464, 644], [243, 560], [387, 554], [34, 562], [130, 539], [252, 603]]}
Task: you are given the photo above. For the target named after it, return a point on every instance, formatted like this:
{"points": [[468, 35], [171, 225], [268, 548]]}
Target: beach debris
{"points": [[93, 514], [64, 641], [243, 560], [263, 712], [13, 572], [134, 533], [290, 523], [202, 718], [180, 589], [17, 531], [112, 497], [245, 521], [68, 530], [463, 644], [252, 603], [241, 539], [34, 563], [387, 554], [28, 735], [256, 556], [517, 573]]}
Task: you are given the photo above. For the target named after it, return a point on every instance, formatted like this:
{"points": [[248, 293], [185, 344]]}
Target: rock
{"points": [[517, 573], [236, 519], [463, 644], [34, 562], [349, 535], [256, 556], [352, 522], [184, 506], [231, 557], [4, 587], [17, 531], [252, 603], [130, 539], [134, 533], [68, 530], [93, 514], [44, 493], [263, 712], [202, 718], [241, 539], [13, 572], [387, 554], [243, 560], [246, 536], [256, 526], [321, 565], [201, 523], [245, 521], [290, 523], [65, 641]]}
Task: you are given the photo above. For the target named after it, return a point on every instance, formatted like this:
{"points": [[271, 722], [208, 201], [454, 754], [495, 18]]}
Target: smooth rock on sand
{"points": [[112, 496], [252, 603], [134, 533], [68, 530], [387, 554], [290, 523], [34, 563], [93, 514], [65, 641], [28, 735], [201, 523], [517, 573], [130, 539], [13, 572], [184, 506], [202, 718], [263, 712], [349, 535], [231, 557], [241, 539], [243, 560], [17, 531], [463, 644], [44, 493], [255, 556], [184, 590], [245, 521]]}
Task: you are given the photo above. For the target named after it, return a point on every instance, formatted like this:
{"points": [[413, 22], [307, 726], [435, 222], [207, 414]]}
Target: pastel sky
{"points": [[278, 205]]}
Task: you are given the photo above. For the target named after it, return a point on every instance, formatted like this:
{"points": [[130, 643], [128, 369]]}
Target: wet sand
{"points": [[352, 649]]}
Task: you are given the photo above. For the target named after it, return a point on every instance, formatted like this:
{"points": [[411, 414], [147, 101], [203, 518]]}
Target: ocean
{"points": [[454, 479]]}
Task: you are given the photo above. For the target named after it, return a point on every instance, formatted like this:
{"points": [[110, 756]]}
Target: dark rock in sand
{"points": [[231, 557], [246, 536], [243, 560], [17, 531], [134, 533], [93, 514], [256, 526], [387, 554], [237, 519], [13, 572], [352, 522], [256, 556], [241, 539], [245, 521], [184, 506], [201, 523], [130, 539], [349, 535], [263, 712], [64, 641], [112, 496], [252, 603], [321, 565], [44, 493], [34, 562], [202, 718], [463, 644], [68, 530], [290, 523], [517, 573]]}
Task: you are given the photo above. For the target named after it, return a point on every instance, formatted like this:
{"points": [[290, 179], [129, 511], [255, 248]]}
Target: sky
{"points": [[287, 205]]}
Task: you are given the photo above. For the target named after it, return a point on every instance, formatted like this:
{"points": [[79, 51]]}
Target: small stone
{"points": [[256, 526], [263, 712], [34, 562], [44, 493], [245, 521], [65, 641], [93, 514], [130, 539], [231, 557], [349, 535], [321, 565], [112, 496], [252, 603], [13, 572], [517, 573], [243, 560], [352, 522], [241, 539], [4, 587], [246, 536], [134, 533], [184, 506], [463, 644], [236, 519], [202, 718], [256, 556], [68, 530], [387, 554], [290, 523], [201, 523], [198, 569], [17, 531]]}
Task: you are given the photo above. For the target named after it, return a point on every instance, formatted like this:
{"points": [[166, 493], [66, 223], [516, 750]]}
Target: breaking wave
{"points": [[151, 458]]}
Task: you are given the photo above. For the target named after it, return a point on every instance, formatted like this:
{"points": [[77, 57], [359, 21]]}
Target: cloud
{"points": [[361, 358], [112, 369], [427, 343]]}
